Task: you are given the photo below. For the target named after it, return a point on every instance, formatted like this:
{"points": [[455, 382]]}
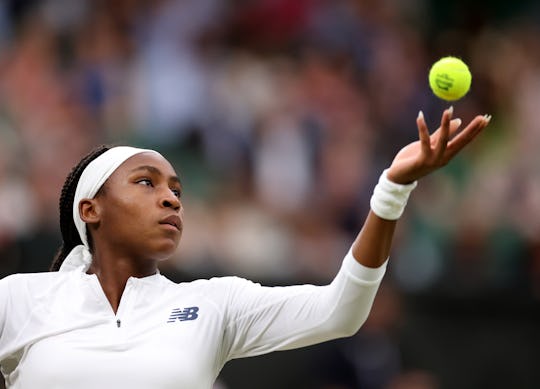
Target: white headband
{"points": [[92, 179]]}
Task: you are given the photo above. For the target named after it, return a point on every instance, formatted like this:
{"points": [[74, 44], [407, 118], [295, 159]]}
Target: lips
{"points": [[173, 220]]}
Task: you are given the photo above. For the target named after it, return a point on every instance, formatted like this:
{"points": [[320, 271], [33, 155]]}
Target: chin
{"points": [[163, 259], [165, 252]]}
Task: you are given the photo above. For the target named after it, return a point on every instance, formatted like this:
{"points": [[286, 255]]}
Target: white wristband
{"points": [[389, 199]]}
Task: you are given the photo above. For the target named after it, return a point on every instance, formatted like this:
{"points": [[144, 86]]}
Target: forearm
{"points": [[371, 247]]}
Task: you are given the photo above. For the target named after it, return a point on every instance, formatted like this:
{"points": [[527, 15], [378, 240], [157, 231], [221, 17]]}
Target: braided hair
{"points": [[70, 235]]}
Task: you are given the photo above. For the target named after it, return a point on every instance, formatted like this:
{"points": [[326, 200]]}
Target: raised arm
{"points": [[262, 319], [416, 160]]}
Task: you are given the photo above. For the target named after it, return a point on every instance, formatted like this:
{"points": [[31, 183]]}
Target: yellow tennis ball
{"points": [[450, 78]]}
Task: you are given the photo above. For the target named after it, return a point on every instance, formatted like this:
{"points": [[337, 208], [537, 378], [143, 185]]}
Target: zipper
{"points": [[125, 301]]}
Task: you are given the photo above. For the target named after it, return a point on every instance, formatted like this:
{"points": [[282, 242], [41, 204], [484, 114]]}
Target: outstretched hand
{"points": [[431, 152]]}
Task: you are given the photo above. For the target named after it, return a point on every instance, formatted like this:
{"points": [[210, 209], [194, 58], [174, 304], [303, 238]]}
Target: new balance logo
{"points": [[183, 314]]}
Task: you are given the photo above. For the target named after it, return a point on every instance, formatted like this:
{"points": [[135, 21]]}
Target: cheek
{"points": [[126, 214]]}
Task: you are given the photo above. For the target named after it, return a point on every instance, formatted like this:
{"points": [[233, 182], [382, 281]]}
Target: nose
{"points": [[170, 200]]}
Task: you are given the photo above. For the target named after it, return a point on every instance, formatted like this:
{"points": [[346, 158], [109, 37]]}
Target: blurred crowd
{"points": [[279, 116]]}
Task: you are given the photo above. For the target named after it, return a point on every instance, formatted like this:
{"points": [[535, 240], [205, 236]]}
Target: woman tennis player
{"points": [[106, 318]]}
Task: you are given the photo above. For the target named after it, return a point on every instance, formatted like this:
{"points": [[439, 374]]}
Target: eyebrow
{"points": [[155, 170]]}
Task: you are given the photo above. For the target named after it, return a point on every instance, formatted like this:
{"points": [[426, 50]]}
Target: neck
{"points": [[113, 274]]}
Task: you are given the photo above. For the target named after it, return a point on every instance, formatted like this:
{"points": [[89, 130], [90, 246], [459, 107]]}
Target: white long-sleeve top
{"points": [[58, 331]]}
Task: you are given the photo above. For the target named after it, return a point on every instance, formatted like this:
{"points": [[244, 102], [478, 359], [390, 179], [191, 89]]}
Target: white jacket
{"points": [[57, 330]]}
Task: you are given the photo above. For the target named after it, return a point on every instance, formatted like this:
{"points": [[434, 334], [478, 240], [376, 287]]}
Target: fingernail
{"points": [[458, 121], [420, 115], [451, 110], [487, 118]]}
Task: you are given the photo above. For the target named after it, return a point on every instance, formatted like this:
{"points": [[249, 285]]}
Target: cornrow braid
{"points": [[70, 235]]}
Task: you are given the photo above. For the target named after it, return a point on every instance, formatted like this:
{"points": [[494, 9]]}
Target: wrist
{"points": [[399, 181], [390, 198]]}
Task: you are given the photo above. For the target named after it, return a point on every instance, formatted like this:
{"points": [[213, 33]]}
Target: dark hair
{"points": [[70, 235]]}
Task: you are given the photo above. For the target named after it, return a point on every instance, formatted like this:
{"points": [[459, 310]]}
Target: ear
{"points": [[90, 211]]}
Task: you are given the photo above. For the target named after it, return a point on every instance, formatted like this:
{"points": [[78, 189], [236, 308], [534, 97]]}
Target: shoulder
{"points": [[226, 295], [219, 283], [25, 278], [20, 282], [214, 288]]}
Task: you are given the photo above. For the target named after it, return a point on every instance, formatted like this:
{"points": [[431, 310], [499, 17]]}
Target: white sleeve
{"points": [[264, 319]]}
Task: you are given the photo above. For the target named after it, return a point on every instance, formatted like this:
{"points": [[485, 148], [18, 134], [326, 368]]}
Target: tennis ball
{"points": [[450, 78]]}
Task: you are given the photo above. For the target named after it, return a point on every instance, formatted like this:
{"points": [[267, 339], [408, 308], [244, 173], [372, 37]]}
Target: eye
{"points": [[145, 181], [177, 192]]}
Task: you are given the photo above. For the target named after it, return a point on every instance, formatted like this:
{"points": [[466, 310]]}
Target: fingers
{"points": [[454, 126], [428, 141], [444, 132], [454, 129], [470, 132], [423, 133], [448, 140]]}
